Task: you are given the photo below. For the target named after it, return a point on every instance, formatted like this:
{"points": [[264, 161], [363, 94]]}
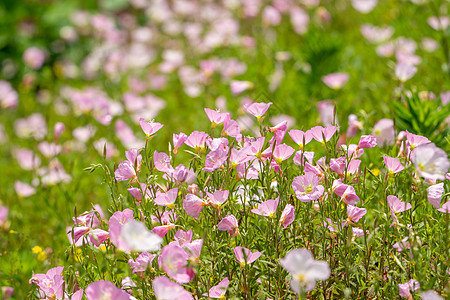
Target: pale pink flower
{"points": [[267, 208], [167, 199], [142, 262], [245, 256], [173, 260], [178, 141], [134, 158], [357, 232], [393, 164], [218, 198], [162, 162], [193, 205], [405, 71], [416, 140], [197, 140], [353, 126], [229, 223], [405, 288], [304, 269], [300, 156], [125, 171], [216, 117], [396, 205], [182, 237], [287, 216], [238, 86], [327, 112], [355, 213], [102, 289], [194, 249], [323, 135], [445, 208], [402, 245], [138, 238], [215, 159], [346, 192], [299, 20], [149, 128], [3, 215], [117, 220], [335, 80], [168, 219], [430, 295], [364, 6], [258, 109], [307, 188], [7, 292], [376, 34], [26, 159], [338, 165], [367, 141], [282, 152], [238, 157], [383, 130], [434, 194], [218, 291], [440, 23], [430, 161], [300, 138], [23, 190], [231, 128], [98, 236], [51, 283], [34, 57], [8, 96], [165, 289]]}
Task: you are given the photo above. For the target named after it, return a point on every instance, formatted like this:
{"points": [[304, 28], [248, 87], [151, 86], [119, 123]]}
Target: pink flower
{"points": [[165, 289], [430, 295], [364, 6], [299, 20], [396, 205], [323, 135], [383, 131], [393, 164], [434, 194], [405, 71], [287, 216], [8, 96], [282, 152], [231, 128], [258, 109], [335, 80], [23, 190], [415, 140], [307, 188], [167, 199], [193, 205], [229, 223], [267, 208], [51, 283], [301, 138], [304, 269], [194, 249], [117, 220], [98, 236], [197, 140], [245, 256], [134, 158], [173, 260], [34, 57], [142, 262], [355, 213], [178, 141], [431, 162], [215, 159], [346, 192], [238, 157], [149, 128], [218, 291], [238, 87], [125, 171], [216, 117], [218, 198], [183, 237], [3, 215], [405, 288], [162, 162], [445, 208], [102, 289], [367, 141], [338, 165]]}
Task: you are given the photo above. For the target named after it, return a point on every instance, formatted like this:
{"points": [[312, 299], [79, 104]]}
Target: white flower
{"points": [[431, 162], [304, 269], [139, 238]]}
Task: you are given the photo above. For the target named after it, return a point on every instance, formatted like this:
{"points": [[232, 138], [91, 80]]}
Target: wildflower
{"points": [[138, 238], [267, 208], [149, 128], [218, 198], [167, 199], [167, 222], [346, 192], [415, 140], [430, 295], [405, 71], [229, 223], [364, 6], [102, 289], [218, 291], [245, 256], [304, 270], [383, 131], [216, 117], [51, 283], [34, 57], [301, 138], [393, 164], [194, 249], [98, 236], [445, 207], [287, 216], [173, 260], [405, 288], [162, 162], [165, 289], [282, 152], [307, 188], [23, 190], [238, 87], [258, 109], [142, 262], [434, 194], [430, 161], [215, 159], [193, 205], [197, 140], [397, 206], [8, 96], [183, 237], [125, 171], [7, 292], [367, 141], [323, 135], [116, 222], [178, 141], [335, 80]]}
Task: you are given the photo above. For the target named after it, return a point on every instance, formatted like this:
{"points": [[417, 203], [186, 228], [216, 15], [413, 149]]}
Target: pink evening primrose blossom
{"points": [[393, 164], [397, 206], [23, 190], [245, 256], [51, 283], [383, 131], [415, 140], [301, 138], [405, 71], [307, 188], [117, 220], [367, 141], [267, 208], [138, 238], [165, 289], [173, 260], [327, 112], [304, 269], [194, 250], [197, 140], [218, 291], [142, 262], [258, 109], [167, 199], [34, 57], [364, 6], [287, 216], [282, 152], [125, 171], [193, 205], [229, 223], [323, 135], [102, 289], [238, 157], [168, 219], [430, 295], [355, 213], [178, 141], [430, 161], [406, 288], [238, 86], [162, 162], [183, 237], [346, 192], [216, 117], [218, 198], [434, 194], [335, 80], [149, 128], [445, 208]]}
